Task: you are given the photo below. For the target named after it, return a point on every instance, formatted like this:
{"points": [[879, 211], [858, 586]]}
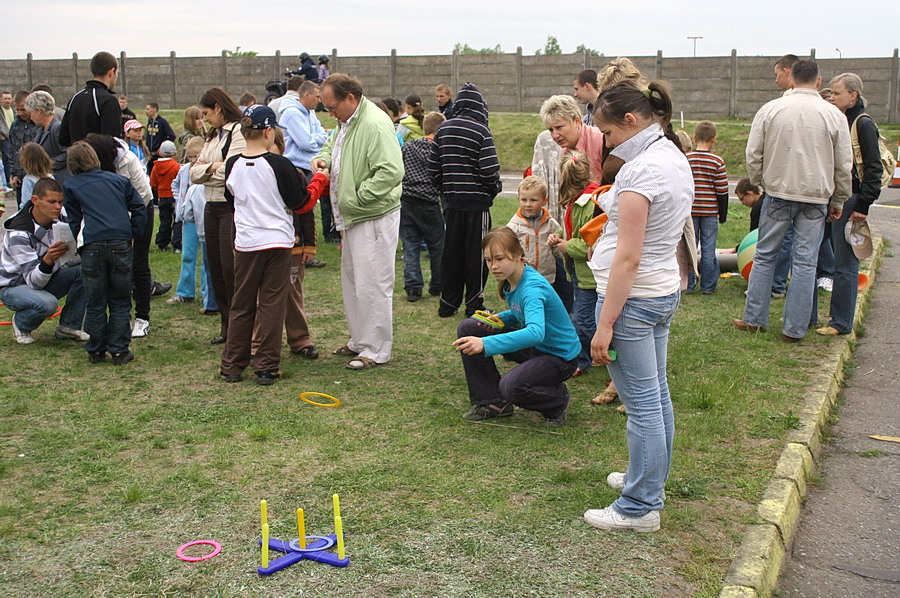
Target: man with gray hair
{"points": [[799, 152], [41, 106]]}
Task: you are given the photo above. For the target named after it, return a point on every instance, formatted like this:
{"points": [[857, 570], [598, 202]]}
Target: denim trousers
{"points": [[825, 265], [846, 273], [584, 315], [537, 383], [641, 339], [209, 297], [33, 306], [706, 231], [187, 281], [783, 263], [106, 274], [807, 220], [421, 221]]}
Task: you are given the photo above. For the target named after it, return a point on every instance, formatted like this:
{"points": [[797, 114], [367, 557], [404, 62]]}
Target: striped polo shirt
{"points": [[709, 180]]}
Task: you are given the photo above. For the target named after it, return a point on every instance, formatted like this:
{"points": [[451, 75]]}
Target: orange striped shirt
{"points": [[710, 180]]}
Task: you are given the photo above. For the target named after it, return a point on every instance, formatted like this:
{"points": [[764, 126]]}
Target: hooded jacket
{"points": [[24, 246], [868, 189], [463, 160]]}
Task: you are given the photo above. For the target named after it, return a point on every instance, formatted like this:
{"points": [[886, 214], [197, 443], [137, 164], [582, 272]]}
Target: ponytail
{"points": [[653, 102]]}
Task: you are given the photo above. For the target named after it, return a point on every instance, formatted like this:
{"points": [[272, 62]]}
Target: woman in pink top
{"points": [[562, 116]]}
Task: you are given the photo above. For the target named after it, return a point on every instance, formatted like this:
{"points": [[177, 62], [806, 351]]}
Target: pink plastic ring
{"points": [[217, 548]]}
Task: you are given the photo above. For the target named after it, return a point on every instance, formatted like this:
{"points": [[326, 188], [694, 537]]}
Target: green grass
{"points": [[105, 471]]}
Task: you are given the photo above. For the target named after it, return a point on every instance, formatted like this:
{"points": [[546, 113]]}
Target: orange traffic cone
{"points": [[895, 180]]}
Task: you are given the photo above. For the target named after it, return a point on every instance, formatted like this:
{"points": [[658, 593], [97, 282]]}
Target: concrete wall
{"points": [[705, 87]]}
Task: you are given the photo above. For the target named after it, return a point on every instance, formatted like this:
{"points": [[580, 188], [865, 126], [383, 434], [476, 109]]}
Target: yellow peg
{"points": [[339, 533], [265, 544], [301, 528], [264, 512], [337, 505]]}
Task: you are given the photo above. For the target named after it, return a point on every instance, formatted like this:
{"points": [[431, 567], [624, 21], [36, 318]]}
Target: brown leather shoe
{"points": [[789, 339], [742, 325]]}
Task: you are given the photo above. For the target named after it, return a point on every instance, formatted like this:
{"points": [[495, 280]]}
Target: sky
{"points": [[632, 28]]}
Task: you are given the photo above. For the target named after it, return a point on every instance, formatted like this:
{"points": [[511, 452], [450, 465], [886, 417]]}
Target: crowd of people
{"points": [[615, 215]]}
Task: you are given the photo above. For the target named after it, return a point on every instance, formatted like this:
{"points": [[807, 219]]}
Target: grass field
{"points": [[105, 471]]}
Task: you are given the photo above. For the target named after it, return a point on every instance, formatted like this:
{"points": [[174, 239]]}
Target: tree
{"points": [[581, 49], [466, 49], [551, 48], [237, 52]]}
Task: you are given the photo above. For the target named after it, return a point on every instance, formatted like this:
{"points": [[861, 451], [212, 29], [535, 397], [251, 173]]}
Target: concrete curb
{"points": [[758, 560]]}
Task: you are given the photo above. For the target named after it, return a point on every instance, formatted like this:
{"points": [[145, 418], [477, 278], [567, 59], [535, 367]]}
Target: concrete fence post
{"points": [[454, 72], [278, 70], [587, 59], [174, 81], [658, 72], [812, 53], [894, 89], [392, 70], [333, 66], [75, 85], [123, 74], [520, 81], [223, 70], [732, 91], [29, 69]]}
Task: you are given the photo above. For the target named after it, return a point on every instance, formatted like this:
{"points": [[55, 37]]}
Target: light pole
{"points": [[839, 52], [695, 38]]}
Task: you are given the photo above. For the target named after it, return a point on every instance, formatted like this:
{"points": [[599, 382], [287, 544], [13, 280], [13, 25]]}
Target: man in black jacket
{"points": [[94, 109]]}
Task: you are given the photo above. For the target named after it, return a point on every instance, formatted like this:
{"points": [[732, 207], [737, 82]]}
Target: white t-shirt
{"points": [[657, 170]]}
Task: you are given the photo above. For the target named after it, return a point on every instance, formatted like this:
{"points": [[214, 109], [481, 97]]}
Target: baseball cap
{"points": [[167, 148], [859, 237], [261, 117], [132, 124]]}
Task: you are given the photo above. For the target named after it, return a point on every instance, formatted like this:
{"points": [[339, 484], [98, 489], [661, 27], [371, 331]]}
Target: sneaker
{"points": [[159, 288], [778, 295], [97, 357], [315, 263], [176, 299], [480, 412], [177, 251], [413, 295], [231, 378], [309, 352], [66, 333], [141, 328], [616, 480], [825, 283], [557, 422], [608, 519], [267, 377], [122, 358], [23, 338]]}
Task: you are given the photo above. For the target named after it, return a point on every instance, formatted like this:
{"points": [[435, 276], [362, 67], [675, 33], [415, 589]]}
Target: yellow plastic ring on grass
{"points": [[304, 395]]}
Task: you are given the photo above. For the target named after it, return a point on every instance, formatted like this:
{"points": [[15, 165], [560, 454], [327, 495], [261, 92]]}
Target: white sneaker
{"points": [[23, 338], [825, 283], [141, 328], [608, 519], [616, 480], [64, 332]]}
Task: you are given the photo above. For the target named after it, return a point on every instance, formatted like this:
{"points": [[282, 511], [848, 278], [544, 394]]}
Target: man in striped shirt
{"points": [[710, 204]]}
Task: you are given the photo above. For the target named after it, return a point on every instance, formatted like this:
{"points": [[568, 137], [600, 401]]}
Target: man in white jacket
{"points": [[799, 152]]}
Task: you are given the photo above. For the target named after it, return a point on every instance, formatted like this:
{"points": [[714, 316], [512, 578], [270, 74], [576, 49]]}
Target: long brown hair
{"points": [[506, 241], [230, 111], [191, 114]]}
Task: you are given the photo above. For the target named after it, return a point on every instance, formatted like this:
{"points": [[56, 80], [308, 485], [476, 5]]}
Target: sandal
{"points": [[621, 409], [605, 398], [360, 363], [346, 351]]}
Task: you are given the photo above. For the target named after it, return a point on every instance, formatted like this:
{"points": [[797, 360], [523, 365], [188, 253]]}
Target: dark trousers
{"points": [[169, 230], [140, 269], [329, 232], [564, 287], [421, 222], [106, 276], [261, 280], [219, 226], [463, 272], [537, 383]]}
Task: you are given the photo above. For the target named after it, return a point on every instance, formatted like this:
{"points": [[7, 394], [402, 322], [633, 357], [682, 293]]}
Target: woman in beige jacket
{"points": [[222, 142]]}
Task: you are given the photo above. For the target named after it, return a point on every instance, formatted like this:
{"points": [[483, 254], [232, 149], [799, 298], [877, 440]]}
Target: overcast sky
{"points": [[56, 28]]}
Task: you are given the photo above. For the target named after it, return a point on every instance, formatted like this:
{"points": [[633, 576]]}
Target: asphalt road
{"points": [[848, 542]]}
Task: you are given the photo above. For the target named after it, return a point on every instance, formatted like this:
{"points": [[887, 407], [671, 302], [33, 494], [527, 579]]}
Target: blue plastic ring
{"points": [[295, 544]]}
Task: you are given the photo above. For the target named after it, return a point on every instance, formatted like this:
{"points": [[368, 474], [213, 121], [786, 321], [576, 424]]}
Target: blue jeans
{"points": [[106, 273], [846, 274], [585, 318], [209, 297], [420, 222], [187, 282], [783, 264], [776, 217], [33, 306], [641, 338], [706, 230]]}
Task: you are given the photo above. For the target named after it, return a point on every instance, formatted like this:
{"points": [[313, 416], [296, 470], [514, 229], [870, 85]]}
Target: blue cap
{"points": [[261, 117]]}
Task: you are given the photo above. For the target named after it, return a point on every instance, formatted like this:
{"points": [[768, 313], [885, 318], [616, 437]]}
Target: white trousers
{"points": [[368, 267]]}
